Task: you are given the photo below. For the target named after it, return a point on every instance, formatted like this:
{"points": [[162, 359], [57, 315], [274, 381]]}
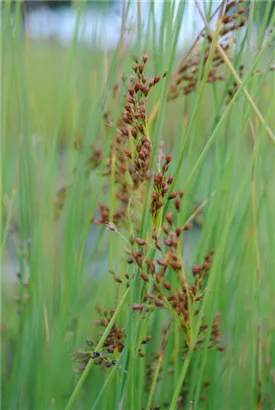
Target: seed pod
{"points": [[169, 218], [168, 159], [142, 108], [156, 79], [95, 354], [141, 241], [243, 22], [174, 241], [176, 265], [131, 91], [162, 262], [229, 6], [138, 307], [145, 91], [165, 229], [179, 231], [241, 11], [144, 277], [198, 298], [141, 67], [226, 19], [170, 180], [158, 205], [154, 234], [172, 195], [187, 226], [138, 86], [151, 83], [128, 154], [144, 58], [126, 119], [167, 242], [181, 193], [196, 269], [159, 303], [140, 128], [134, 132], [146, 340], [157, 245], [149, 296], [152, 268], [167, 285], [124, 131], [158, 179]]}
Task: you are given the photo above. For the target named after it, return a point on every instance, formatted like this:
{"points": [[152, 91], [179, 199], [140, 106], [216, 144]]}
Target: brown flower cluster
{"points": [[155, 258], [162, 184], [113, 345], [130, 156], [82, 357], [185, 79], [185, 296], [115, 339]]}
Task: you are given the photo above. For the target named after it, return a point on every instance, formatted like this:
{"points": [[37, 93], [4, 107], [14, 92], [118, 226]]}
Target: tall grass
{"points": [[196, 333]]}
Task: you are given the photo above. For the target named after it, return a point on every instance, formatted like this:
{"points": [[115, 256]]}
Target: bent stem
{"points": [[98, 347]]}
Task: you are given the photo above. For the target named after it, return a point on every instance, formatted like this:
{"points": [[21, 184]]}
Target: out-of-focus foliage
{"points": [[61, 3], [262, 6]]}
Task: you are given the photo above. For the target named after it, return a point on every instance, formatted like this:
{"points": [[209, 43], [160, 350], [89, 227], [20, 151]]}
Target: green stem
{"points": [[9, 216], [105, 385], [98, 347], [152, 390]]}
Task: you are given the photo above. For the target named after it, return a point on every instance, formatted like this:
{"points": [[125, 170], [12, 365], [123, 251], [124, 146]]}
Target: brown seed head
{"points": [[144, 277], [169, 218], [172, 195], [141, 241], [138, 307], [167, 285]]}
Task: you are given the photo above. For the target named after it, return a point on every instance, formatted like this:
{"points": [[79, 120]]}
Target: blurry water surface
{"points": [[102, 25]]}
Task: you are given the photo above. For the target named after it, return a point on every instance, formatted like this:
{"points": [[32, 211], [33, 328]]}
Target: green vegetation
{"points": [[137, 197]]}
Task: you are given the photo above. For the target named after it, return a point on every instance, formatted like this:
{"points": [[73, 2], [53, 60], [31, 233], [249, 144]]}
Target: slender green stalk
{"points": [[154, 383], [89, 366]]}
